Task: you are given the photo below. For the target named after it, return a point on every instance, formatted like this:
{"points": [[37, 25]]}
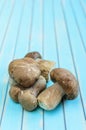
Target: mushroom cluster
{"points": [[29, 77]]}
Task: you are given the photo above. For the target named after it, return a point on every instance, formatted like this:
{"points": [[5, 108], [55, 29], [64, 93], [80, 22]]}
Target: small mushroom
{"points": [[45, 67], [24, 71], [13, 92], [65, 85], [34, 55], [27, 98], [67, 81]]}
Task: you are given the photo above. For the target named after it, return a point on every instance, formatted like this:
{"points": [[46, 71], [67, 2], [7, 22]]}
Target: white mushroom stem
{"points": [[51, 97], [39, 86]]}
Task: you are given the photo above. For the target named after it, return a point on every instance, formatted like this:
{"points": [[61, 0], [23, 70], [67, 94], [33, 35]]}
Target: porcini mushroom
{"points": [[24, 71], [65, 85], [67, 81], [27, 98], [34, 55]]}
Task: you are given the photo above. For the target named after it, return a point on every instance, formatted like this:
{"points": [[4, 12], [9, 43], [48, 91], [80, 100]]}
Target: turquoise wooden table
{"points": [[56, 29]]}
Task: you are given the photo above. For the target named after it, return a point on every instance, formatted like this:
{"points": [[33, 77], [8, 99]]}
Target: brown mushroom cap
{"points": [[34, 55], [66, 80], [27, 100], [13, 92], [24, 71]]}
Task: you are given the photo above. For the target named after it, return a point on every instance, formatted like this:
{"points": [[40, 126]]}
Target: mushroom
{"points": [[24, 71], [45, 67], [65, 85], [34, 55], [67, 81], [27, 98]]}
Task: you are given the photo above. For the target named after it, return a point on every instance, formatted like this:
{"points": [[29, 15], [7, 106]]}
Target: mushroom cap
{"points": [[24, 71], [34, 55], [13, 92], [66, 80], [27, 100]]}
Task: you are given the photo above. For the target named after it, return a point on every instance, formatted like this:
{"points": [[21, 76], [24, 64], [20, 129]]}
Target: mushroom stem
{"points": [[39, 86], [27, 98], [50, 97]]}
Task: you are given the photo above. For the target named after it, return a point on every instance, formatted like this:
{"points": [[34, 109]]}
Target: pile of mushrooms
{"points": [[28, 79]]}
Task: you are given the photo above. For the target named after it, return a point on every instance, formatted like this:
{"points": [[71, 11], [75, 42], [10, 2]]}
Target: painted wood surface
{"points": [[56, 29]]}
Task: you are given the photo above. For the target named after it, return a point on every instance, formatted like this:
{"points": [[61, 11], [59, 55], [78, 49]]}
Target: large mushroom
{"points": [[24, 71], [65, 85]]}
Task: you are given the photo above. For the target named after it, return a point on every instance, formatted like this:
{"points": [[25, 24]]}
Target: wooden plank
{"points": [[8, 109], [74, 115], [51, 29], [83, 6], [5, 17], [52, 119], [78, 57], [34, 120], [80, 21], [24, 31], [2, 4]]}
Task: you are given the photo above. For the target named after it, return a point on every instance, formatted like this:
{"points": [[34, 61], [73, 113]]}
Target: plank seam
{"points": [[31, 25], [83, 9], [43, 50], [4, 104], [43, 28], [73, 59], [56, 38]]}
